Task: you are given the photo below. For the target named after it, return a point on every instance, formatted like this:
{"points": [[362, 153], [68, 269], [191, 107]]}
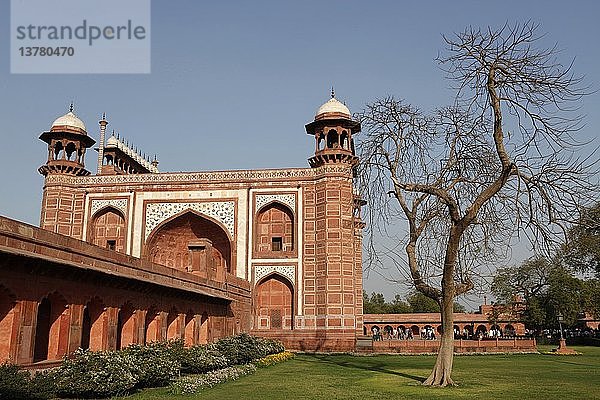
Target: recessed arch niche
{"points": [[191, 242], [274, 231], [108, 229], [274, 303]]}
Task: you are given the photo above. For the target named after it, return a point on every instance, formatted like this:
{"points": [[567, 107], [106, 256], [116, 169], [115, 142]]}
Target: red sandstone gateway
{"points": [[131, 255]]}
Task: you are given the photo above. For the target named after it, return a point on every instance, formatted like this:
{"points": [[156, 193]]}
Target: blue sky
{"points": [[233, 83]]}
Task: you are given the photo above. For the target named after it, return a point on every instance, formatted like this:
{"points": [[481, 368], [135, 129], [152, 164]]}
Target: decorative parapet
{"points": [[209, 177], [119, 204], [222, 211], [287, 199], [288, 271]]}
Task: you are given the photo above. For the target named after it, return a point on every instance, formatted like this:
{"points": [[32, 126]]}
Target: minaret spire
{"points": [[332, 93], [71, 106], [103, 122]]}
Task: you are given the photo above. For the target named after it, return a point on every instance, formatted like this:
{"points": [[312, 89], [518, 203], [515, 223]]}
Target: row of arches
{"points": [[334, 139], [120, 164], [57, 327], [179, 242], [66, 150]]}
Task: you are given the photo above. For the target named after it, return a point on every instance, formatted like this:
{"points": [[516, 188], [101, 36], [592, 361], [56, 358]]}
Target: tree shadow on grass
{"points": [[573, 362], [374, 367]]}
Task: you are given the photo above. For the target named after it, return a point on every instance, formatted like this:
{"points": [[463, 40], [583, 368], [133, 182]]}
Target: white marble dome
{"points": [[112, 142], [69, 119], [333, 105]]}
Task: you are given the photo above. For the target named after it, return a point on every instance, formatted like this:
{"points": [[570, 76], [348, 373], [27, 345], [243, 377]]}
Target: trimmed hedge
{"points": [[89, 374]]}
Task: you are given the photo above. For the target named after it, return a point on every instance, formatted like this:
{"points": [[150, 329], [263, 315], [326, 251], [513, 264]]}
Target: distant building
{"points": [[489, 318]]}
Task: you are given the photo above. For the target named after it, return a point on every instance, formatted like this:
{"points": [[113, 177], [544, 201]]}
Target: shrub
{"points": [[269, 346], [13, 382], [202, 358], [243, 348], [96, 374], [43, 385], [156, 363], [18, 384], [195, 383]]}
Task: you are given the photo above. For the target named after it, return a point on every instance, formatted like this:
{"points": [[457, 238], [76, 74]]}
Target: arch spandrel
{"points": [[286, 271], [222, 212]]}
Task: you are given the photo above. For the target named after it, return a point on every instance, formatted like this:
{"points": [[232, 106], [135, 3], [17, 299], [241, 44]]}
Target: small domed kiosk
{"points": [[333, 129], [67, 142]]}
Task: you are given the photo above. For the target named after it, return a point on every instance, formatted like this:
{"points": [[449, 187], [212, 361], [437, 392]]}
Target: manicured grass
{"points": [[329, 377]]}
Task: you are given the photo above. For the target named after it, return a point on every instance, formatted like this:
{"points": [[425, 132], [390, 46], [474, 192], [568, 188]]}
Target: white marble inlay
{"points": [[119, 204], [287, 199], [289, 271], [222, 211]]}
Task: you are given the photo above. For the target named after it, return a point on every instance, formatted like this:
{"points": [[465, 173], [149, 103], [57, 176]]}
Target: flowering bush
{"points": [[195, 383], [243, 348], [96, 374], [202, 358], [156, 363], [269, 346], [273, 359], [87, 374]]}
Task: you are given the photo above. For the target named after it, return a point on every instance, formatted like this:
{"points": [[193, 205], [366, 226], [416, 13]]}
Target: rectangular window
{"points": [[276, 244], [111, 244]]}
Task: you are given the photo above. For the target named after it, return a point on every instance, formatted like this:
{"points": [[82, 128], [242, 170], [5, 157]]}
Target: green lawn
{"points": [[329, 377]]}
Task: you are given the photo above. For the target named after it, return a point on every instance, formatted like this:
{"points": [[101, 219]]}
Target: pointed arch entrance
{"points": [[274, 303], [194, 243]]}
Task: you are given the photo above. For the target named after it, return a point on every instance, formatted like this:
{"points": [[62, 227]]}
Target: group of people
{"points": [[567, 333], [427, 333], [392, 333]]}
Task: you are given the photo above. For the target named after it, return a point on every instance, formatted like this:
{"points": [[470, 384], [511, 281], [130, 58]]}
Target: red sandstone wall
{"points": [[330, 280], [37, 264], [460, 346], [62, 210]]}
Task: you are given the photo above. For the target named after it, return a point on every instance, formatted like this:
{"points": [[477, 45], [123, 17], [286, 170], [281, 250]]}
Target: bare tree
{"points": [[502, 160]]}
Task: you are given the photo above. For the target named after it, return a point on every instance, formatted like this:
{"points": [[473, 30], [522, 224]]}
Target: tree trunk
{"points": [[440, 376]]}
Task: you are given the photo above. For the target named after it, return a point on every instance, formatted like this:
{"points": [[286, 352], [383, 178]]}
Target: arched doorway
{"points": [[92, 329], [126, 326], [481, 330], [416, 331], [509, 330], [274, 303], [108, 229], [190, 334], [152, 326], [185, 242], [203, 335], [52, 328], [173, 326]]}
